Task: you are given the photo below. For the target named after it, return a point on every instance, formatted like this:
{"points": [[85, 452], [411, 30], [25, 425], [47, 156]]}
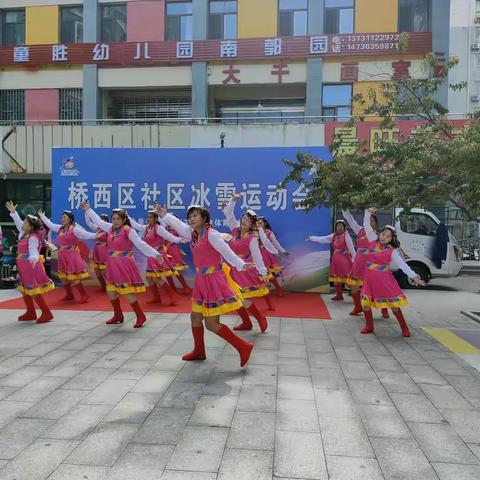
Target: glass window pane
{"points": [[346, 21], [179, 8], [293, 4], [338, 3], [286, 27], [114, 23], [13, 27], [230, 26], [300, 23], [186, 26], [223, 7], [331, 21], [215, 26], [334, 95], [343, 114], [173, 28], [71, 27]]}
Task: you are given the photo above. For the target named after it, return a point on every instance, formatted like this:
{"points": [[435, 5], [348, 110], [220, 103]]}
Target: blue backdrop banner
{"points": [[134, 179]]}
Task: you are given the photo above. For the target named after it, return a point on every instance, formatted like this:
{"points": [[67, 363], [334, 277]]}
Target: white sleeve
{"points": [[398, 263], [33, 249], [18, 222], [89, 223], [95, 218], [352, 223], [52, 226], [82, 234], [276, 243], [325, 239], [147, 250], [266, 242], [221, 246], [139, 227], [369, 231], [257, 256], [229, 212], [351, 248], [182, 228], [165, 234]]}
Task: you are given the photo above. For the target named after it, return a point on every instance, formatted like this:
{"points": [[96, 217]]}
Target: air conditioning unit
{"points": [[475, 47], [475, 98]]}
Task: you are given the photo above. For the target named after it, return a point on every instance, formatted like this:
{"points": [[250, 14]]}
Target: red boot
{"points": [[357, 304], [117, 312], [403, 324], [103, 285], [385, 313], [198, 352], [30, 314], [82, 292], [261, 319], [46, 315], [171, 283], [339, 296], [268, 300], [141, 318], [156, 298], [68, 293], [275, 283], [246, 322], [368, 328], [171, 294], [243, 347], [186, 289]]}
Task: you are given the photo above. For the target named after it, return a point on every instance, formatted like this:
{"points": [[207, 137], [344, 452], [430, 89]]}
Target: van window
{"points": [[418, 224]]}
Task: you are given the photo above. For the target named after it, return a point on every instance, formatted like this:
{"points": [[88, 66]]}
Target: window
{"points": [[414, 15], [114, 23], [71, 24], [179, 21], [337, 102], [71, 105], [339, 16], [418, 224], [223, 19], [12, 106], [13, 27], [293, 18]]}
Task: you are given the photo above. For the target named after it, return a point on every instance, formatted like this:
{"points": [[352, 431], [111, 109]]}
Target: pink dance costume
{"points": [[100, 249], [176, 254], [271, 250], [33, 280], [213, 294]]}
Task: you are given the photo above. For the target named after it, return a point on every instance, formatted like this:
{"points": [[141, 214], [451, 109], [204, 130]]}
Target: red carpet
{"points": [[293, 305]]}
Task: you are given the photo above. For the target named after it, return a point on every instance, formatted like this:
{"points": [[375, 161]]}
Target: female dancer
{"points": [[157, 273], [99, 251], [33, 279], [380, 289], [355, 278], [343, 253], [71, 267], [212, 293], [271, 259], [253, 281]]}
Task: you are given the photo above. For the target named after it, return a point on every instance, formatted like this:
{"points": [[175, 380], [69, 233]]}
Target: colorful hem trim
{"points": [[338, 279], [213, 309], [100, 265], [275, 270], [181, 266], [73, 276], [125, 288], [40, 290], [254, 292], [395, 302], [354, 282], [161, 273]]}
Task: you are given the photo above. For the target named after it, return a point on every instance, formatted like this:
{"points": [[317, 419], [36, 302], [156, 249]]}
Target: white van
{"points": [[416, 232]]}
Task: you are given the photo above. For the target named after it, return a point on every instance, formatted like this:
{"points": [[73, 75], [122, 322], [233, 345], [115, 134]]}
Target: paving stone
{"points": [[245, 465], [257, 398], [290, 350], [453, 471], [7, 391], [467, 386], [383, 421], [335, 404], [103, 445], [261, 375], [299, 388], [112, 359], [23, 376], [79, 343], [78, 422], [37, 390], [299, 455], [144, 462], [182, 395], [169, 362], [402, 460], [164, 426], [445, 396], [79, 472], [224, 383], [69, 368], [110, 392], [154, 382], [448, 367], [323, 360], [14, 363], [344, 436], [10, 410], [440, 443], [398, 383], [293, 367], [252, 431], [475, 448], [369, 392], [56, 404], [382, 363], [358, 370], [174, 475], [328, 378], [38, 460], [19, 434], [213, 411], [131, 345], [194, 453], [133, 408], [297, 415], [350, 354], [351, 468], [54, 358], [465, 422], [39, 350], [89, 379], [416, 408], [424, 374]]}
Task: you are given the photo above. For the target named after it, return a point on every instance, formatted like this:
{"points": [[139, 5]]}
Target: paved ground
{"points": [[83, 401]]}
